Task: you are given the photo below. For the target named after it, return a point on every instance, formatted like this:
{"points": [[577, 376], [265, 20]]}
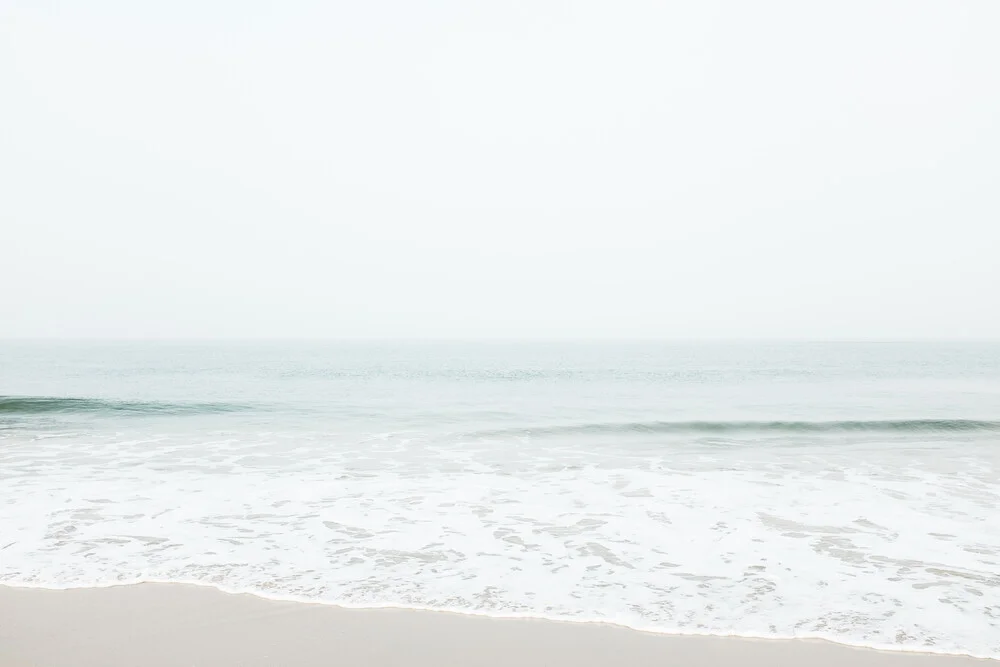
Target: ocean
{"points": [[846, 491]]}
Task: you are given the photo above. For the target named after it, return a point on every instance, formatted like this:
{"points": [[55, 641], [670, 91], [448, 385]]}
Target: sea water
{"points": [[846, 491]]}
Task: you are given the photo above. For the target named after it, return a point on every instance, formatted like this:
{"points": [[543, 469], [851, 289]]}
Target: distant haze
{"points": [[720, 169]]}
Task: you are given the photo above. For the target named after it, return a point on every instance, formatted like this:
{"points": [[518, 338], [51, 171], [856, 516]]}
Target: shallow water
{"points": [[845, 491]]}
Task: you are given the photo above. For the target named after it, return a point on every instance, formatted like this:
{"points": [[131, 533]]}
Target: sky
{"points": [[516, 169]]}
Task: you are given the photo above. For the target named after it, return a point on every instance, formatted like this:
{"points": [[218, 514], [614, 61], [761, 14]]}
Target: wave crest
{"points": [[777, 427], [30, 405]]}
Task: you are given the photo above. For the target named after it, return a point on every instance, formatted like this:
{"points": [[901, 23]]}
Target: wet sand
{"points": [[161, 625]]}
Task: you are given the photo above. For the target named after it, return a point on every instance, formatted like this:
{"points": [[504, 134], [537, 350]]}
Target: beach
{"points": [[170, 625], [500, 334], [841, 493]]}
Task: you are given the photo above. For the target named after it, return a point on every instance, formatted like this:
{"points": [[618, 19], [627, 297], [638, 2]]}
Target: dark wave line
{"points": [[776, 427], [30, 405]]}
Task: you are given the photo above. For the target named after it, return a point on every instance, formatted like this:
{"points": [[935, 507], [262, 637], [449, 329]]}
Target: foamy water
{"points": [[848, 493]]}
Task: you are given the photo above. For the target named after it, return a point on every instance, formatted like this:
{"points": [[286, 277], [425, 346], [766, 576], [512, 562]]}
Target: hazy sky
{"points": [[718, 168]]}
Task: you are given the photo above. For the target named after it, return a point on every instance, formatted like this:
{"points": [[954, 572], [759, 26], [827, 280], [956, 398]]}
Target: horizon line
{"points": [[493, 339]]}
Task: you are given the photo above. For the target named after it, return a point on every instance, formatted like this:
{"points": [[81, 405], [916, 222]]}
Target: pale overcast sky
{"points": [[663, 169]]}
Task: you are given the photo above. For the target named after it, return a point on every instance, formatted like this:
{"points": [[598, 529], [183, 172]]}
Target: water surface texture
{"points": [[844, 491]]}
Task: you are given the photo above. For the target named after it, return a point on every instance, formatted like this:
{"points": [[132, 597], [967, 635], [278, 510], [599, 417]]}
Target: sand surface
{"points": [[153, 625]]}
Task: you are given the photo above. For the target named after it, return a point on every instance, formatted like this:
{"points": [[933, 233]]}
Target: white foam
{"points": [[876, 546]]}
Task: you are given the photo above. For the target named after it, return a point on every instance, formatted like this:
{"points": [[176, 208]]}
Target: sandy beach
{"points": [[161, 625]]}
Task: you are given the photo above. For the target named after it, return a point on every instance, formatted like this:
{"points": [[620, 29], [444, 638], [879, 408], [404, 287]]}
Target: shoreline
{"points": [[498, 616], [167, 624]]}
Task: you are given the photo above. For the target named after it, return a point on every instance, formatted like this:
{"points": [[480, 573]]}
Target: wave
{"points": [[776, 427], [32, 405]]}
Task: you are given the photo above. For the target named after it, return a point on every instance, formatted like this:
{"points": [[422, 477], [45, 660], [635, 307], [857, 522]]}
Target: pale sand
{"points": [[152, 625]]}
